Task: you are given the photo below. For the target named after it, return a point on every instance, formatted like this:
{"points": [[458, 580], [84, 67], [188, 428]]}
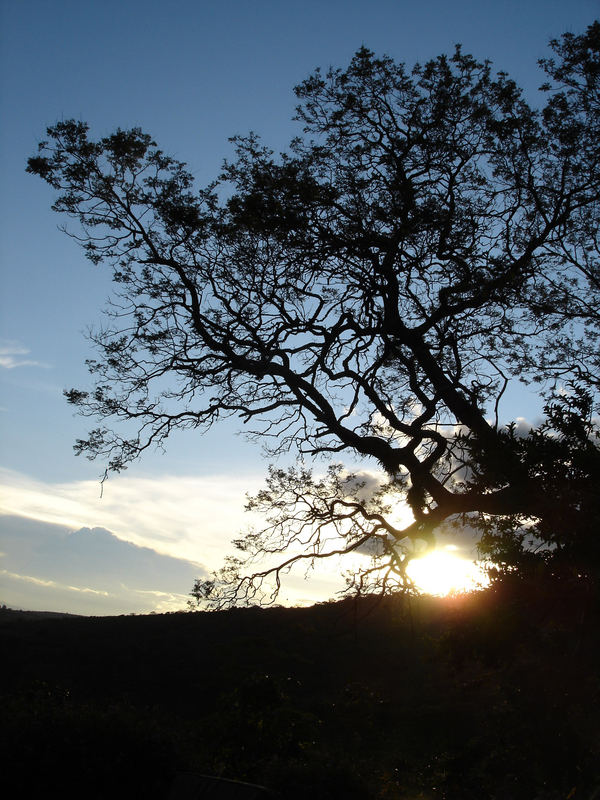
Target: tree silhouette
{"points": [[371, 293]]}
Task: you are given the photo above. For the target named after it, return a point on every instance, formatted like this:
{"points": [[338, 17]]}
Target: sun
{"points": [[442, 572]]}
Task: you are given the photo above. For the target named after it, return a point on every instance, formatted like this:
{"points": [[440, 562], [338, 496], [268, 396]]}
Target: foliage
{"points": [[370, 294], [562, 459], [490, 695]]}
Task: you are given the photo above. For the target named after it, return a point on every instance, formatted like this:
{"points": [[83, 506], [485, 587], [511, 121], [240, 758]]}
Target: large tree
{"points": [[370, 294]]}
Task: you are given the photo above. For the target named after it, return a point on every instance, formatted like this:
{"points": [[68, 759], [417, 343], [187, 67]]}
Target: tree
{"points": [[427, 241]]}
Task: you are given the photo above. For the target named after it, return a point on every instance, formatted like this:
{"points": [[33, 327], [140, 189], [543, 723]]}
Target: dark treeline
{"points": [[486, 696]]}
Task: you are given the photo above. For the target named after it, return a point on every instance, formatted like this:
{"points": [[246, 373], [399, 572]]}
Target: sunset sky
{"points": [[191, 73]]}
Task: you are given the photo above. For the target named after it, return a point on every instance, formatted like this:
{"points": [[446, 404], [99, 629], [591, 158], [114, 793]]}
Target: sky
{"points": [[192, 73]]}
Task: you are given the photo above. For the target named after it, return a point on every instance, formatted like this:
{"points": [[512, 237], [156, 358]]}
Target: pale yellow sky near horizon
{"points": [[192, 518]]}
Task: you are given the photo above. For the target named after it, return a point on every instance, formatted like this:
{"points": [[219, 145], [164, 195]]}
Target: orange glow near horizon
{"points": [[442, 572]]}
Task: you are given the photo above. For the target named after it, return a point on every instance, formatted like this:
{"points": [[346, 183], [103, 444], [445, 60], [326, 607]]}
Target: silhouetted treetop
{"points": [[427, 240]]}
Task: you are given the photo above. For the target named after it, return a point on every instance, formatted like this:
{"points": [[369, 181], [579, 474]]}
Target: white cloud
{"points": [[189, 517], [10, 356], [366, 481], [523, 427], [88, 571]]}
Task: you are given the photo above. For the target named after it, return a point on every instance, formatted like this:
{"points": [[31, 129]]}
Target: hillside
{"points": [[486, 696]]}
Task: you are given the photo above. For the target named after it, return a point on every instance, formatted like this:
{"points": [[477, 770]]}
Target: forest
{"points": [[484, 695]]}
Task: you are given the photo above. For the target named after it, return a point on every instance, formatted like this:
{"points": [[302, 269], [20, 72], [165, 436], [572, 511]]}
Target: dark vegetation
{"points": [[493, 695]]}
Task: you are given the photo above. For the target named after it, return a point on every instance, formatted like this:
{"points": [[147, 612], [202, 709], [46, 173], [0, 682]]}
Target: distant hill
{"points": [[8, 614], [494, 695]]}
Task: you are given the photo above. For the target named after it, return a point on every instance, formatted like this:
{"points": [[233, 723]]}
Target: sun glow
{"points": [[441, 572]]}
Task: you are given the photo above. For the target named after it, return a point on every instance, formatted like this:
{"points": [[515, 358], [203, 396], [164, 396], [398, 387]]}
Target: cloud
{"points": [[89, 570], [49, 584], [147, 539], [35, 594], [144, 535], [190, 517], [10, 352], [462, 539], [523, 427], [366, 483]]}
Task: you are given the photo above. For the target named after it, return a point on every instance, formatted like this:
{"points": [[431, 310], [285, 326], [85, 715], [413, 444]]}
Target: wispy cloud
{"points": [[191, 518], [38, 594], [51, 584], [11, 356], [188, 517]]}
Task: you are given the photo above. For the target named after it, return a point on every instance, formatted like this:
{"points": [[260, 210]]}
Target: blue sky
{"points": [[191, 73]]}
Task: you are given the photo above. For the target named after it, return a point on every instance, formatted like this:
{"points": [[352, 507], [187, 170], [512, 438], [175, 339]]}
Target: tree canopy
{"points": [[369, 294]]}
